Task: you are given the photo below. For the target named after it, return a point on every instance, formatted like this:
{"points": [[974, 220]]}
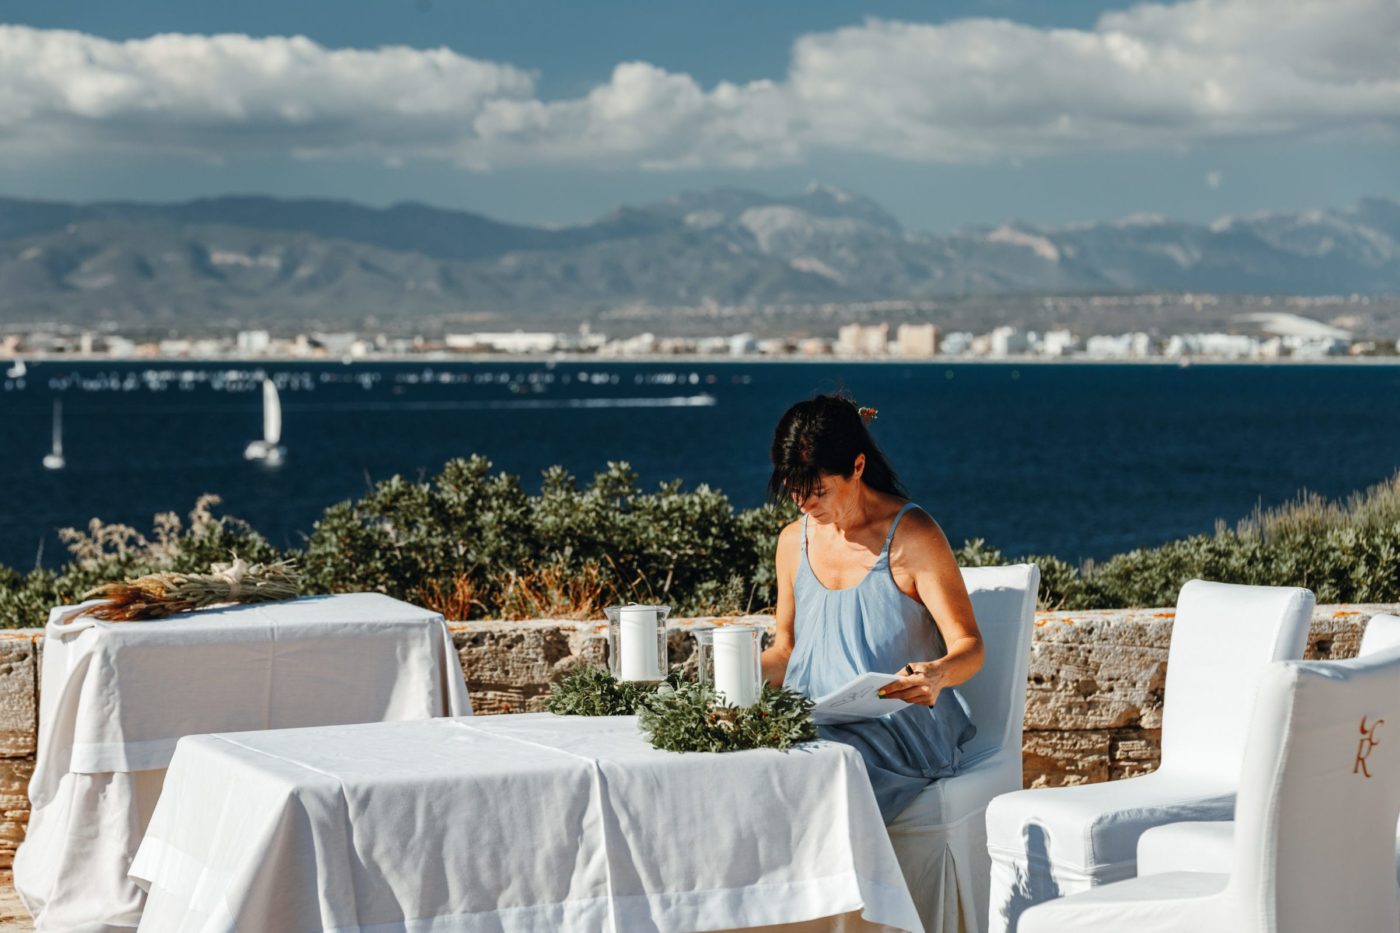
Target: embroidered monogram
{"points": [[1364, 747]]}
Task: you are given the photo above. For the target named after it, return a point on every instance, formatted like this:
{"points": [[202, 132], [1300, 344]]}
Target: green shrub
{"points": [[1345, 552], [483, 534], [472, 543]]}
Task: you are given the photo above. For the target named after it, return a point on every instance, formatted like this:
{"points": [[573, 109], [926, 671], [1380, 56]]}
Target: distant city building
{"points": [[334, 344], [638, 345], [863, 340], [1057, 343], [505, 342], [1315, 347], [742, 345], [1119, 346], [589, 341], [1226, 346], [1006, 341], [957, 343], [253, 342], [916, 340], [120, 346], [712, 345]]}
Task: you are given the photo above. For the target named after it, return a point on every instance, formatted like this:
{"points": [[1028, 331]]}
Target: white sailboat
{"points": [[269, 449], [54, 459]]}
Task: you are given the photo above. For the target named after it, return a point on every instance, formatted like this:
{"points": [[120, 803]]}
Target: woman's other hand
{"points": [[921, 684]]}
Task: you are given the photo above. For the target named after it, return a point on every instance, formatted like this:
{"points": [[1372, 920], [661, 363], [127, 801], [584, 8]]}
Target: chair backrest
{"points": [[1003, 600], [1382, 632], [1319, 796], [1223, 638]]}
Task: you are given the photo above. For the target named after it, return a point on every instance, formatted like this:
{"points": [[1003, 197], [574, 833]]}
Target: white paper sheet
{"points": [[858, 699]]}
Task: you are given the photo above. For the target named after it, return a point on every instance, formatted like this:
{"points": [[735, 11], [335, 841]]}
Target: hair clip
{"points": [[867, 414]]}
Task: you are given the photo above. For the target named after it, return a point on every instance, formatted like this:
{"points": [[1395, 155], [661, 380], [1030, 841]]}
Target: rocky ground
{"points": [[13, 917]]}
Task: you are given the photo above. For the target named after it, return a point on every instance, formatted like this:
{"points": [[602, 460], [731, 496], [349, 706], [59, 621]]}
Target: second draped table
{"points": [[514, 823], [116, 697]]}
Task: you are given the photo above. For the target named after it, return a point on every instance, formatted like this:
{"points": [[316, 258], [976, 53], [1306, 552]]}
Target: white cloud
{"points": [[230, 94], [1151, 76]]}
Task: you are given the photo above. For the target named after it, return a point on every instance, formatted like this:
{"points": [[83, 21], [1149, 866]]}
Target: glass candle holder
{"points": [[729, 658], [637, 642]]}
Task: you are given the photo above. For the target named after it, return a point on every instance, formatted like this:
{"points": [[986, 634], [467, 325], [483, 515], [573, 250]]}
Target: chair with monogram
{"points": [[1318, 800], [1050, 842], [1207, 846]]}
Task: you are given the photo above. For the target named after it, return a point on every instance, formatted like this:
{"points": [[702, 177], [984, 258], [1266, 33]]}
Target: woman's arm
{"points": [[924, 550], [775, 659]]}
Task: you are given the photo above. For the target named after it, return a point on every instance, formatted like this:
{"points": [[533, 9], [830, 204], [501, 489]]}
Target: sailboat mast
{"points": [[58, 427]]}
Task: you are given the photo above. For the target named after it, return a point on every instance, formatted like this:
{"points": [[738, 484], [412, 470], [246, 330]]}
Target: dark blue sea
{"points": [[1081, 461]]}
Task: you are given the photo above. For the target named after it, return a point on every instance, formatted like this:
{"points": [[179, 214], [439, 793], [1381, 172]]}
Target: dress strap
{"points": [[906, 507], [804, 534]]}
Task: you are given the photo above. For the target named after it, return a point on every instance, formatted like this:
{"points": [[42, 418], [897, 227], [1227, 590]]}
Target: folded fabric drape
{"points": [[115, 698], [1319, 797], [940, 839], [1196, 846], [511, 824], [1046, 843]]}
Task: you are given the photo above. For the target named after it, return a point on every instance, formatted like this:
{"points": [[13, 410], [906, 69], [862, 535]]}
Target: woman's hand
{"points": [[921, 684]]}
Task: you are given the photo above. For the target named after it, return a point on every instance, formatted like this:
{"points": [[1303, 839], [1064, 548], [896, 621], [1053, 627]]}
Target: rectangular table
{"points": [[510, 824], [116, 697]]}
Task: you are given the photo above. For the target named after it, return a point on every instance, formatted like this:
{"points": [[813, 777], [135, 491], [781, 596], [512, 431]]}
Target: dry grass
{"points": [[455, 601], [158, 595], [1311, 514], [557, 592]]}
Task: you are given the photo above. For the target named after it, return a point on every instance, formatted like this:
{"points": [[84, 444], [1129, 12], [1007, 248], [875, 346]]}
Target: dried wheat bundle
{"points": [[158, 595]]}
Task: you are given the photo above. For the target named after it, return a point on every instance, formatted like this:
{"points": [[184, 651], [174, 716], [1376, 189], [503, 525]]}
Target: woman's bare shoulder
{"points": [[791, 536], [918, 533]]}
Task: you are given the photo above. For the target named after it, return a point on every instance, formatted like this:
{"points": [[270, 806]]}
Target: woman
{"points": [[867, 582]]}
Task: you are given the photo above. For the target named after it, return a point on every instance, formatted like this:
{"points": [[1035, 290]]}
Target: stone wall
{"points": [[1093, 711]]}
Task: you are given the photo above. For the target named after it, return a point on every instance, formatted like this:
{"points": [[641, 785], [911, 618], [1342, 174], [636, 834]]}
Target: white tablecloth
{"points": [[116, 697], [511, 823]]}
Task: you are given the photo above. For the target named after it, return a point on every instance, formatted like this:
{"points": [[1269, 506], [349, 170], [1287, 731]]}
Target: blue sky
{"points": [[950, 114]]}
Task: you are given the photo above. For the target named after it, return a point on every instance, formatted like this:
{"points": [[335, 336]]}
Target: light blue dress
{"points": [[875, 626]]}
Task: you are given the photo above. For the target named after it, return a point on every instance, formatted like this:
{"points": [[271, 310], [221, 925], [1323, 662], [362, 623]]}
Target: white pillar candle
{"points": [[637, 642], [736, 666]]}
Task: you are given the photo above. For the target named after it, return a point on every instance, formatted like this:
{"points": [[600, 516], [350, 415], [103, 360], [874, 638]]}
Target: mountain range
{"points": [[247, 259]]}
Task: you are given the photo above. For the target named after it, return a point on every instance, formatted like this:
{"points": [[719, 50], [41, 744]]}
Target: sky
{"points": [[950, 114]]}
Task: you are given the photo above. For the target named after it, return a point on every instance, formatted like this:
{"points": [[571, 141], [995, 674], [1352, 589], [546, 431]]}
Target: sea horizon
{"points": [[1078, 461]]}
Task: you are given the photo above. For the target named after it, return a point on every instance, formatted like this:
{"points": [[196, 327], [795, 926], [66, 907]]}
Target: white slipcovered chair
{"points": [[940, 839], [1050, 842], [1202, 846], [1318, 800]]}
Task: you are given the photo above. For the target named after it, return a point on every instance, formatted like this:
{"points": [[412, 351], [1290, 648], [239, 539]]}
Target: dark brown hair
{"points": [[825, 434]]}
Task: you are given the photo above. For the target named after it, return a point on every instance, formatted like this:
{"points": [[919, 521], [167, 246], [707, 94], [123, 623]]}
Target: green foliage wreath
{"points": [[678, 715], [690, 718], [593, 691]]}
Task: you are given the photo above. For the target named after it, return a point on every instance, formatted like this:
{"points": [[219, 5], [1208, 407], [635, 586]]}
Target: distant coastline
{"points": [[697, 358]]}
